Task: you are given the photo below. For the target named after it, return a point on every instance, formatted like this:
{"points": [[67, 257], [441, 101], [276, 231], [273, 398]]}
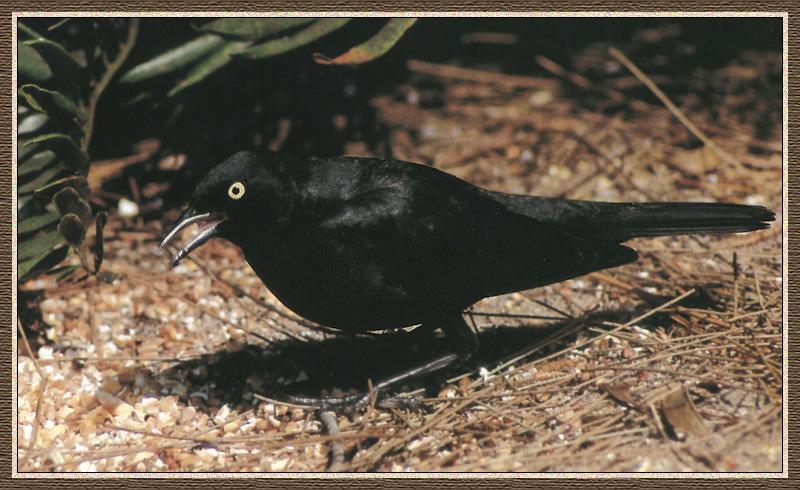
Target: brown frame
{"points": [[6, 265]]}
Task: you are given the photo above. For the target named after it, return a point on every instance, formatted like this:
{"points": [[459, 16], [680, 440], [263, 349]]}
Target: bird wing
{"points": [[434, 236]]}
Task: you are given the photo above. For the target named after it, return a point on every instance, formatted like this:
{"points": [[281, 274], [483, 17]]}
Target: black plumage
{"points": [[367, 244]]}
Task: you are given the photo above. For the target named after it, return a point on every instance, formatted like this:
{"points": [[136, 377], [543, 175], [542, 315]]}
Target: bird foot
{"points": [[359, 401]]}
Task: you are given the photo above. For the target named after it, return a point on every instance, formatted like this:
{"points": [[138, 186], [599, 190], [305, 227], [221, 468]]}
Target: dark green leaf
{"points": [[31, 247], [72, 229], [42, 180], [31, 122], [77, 182], [173, 59], [23, 152], [288, 43], [22, 201], [31, 65], [23, 149], [40, 263], [254, 28], [62, 272], [373, 48], [50, 102], [36, 222], [55, 25], [26, 31], [60, 62], [36, 163], [99, 224], [64, 147], [217, 60]]}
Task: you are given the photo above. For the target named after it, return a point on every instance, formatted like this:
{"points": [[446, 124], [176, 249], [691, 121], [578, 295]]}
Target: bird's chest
{"points": [[316, 276], [286, 259]]}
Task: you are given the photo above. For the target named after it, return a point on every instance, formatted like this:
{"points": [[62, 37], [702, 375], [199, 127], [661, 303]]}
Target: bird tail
{"points": [[624, 221]]}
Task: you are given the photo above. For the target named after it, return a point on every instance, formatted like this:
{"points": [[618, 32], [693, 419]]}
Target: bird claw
{"points": [[355, 403], [344, 404], [359, 401]]}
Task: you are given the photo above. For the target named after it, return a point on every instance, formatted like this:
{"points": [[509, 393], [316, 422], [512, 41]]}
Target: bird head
{"points": [[239, 193]]}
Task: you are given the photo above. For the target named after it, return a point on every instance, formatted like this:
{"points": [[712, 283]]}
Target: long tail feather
{"points": [[622, 221]]}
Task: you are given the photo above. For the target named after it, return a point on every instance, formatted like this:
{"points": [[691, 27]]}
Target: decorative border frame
{"points": [[8, 350]]}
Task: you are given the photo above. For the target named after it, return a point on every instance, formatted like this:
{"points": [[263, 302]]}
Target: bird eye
{"points": [[236, 190]]}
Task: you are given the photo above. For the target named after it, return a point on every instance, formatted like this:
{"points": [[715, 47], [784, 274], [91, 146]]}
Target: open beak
{"points": [[209, 223]]}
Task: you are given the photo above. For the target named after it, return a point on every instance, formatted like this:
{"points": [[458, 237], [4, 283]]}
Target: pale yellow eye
{"points": [[236, 190]]}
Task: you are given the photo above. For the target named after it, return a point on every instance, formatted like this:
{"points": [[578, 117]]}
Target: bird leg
{"points": [[465, 343], [464, 339], [359, 400]]}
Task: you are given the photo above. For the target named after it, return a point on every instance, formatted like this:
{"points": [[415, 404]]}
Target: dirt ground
{"points": [[673, 363]]}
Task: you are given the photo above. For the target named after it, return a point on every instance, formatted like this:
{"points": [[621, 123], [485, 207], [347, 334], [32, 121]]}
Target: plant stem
{"points": [[112, 68]]}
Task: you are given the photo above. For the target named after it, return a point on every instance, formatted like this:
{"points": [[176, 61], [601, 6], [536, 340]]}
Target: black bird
{"points": [[362, 244]]}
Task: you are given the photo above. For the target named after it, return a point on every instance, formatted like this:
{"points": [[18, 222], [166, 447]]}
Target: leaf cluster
{"points": [[57, 93], [221, 41]]}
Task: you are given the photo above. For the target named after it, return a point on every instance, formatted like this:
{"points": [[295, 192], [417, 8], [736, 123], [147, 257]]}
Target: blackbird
{"points": [[361, 244]]}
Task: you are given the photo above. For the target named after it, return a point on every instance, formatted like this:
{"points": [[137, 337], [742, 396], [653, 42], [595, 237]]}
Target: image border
{"points": [[8, 382]]}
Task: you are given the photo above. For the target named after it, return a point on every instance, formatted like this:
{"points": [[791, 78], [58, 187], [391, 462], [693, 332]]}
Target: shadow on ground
{"points": [[342, 365]]}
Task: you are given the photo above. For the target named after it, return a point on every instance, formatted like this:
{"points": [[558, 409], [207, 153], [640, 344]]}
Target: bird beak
{"points": [[208, 222]]}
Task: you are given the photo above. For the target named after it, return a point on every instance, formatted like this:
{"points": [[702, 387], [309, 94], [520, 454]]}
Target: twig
{"points": [[120, 359], [735, 285], [586, 84], [576, 325], [59, 24], [673, 108], [124, 50], [562, 72], [42, 387], [336, 459], [471, 75], [142, 432], [512, 315], [489, 38], [440, 415], [659, 308], [553, 308], [284, 127]]}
